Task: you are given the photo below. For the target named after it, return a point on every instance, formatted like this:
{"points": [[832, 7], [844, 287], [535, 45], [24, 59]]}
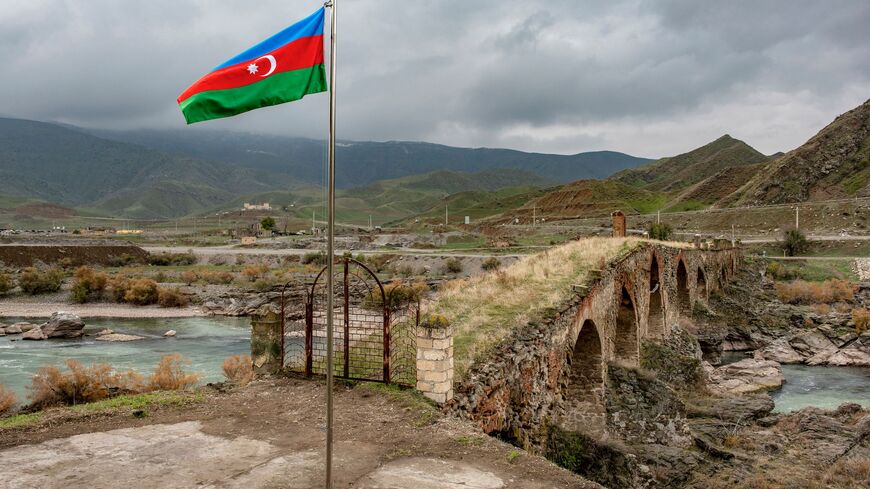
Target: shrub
{"points": [[7, 400], [255, 272], [379, 262], [778, 271], [40, 281], [795, 243], [217, 277], [314, 258], [170, 298], [238, 369], [141, 291], [660, 231], [123, 260], [399, 295], [827, 292], [822, 309], [861, 318], [267, 223], [88, 285], [263, 285], [187, 277], [80, 384], [453, 265], [172, 259], [169, 375], [6, 283], [117, 288], [491, 263]]}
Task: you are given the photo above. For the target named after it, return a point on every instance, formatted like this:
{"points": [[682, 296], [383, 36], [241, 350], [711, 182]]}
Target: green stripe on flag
{"points": [[279, 88]]}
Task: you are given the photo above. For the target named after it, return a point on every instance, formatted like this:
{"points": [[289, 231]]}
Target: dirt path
{"points": [[270, 435]]}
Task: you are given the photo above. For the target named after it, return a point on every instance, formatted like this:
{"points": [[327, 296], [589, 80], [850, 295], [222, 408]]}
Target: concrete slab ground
{"points": [[269, 435]]}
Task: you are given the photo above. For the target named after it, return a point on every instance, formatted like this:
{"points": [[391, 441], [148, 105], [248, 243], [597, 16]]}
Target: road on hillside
{"points": [[222, 250]]}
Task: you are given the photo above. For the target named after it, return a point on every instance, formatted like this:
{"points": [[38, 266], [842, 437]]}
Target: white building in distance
{"points": [[256, 207]]}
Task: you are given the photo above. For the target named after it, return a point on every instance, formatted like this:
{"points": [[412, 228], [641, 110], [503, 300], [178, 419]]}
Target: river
{"points": [[816, 385], [204, 341]]}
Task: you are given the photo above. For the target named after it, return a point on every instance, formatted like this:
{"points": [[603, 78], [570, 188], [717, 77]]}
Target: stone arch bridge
{"points": [[552, 373]]}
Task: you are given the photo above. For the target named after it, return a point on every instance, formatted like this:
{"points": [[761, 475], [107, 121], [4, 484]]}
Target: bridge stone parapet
{"points": [[552, 371]]}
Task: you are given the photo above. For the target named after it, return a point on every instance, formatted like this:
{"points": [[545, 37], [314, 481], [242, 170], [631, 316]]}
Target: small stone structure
{"points": [[618, 224], [266, 349], [435, 359]]}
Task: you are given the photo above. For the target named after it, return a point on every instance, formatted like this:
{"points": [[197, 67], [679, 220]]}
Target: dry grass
{"points": [[238, 369], [822, 309], [827, 292], [484, 309], [80, 384], [851, 472], [171, 298], [861, 318], [170, 375], [7, 400]]}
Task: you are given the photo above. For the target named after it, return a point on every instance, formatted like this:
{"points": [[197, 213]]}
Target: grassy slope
{"points": [[594, 197], [835, 163], [484, 309]]}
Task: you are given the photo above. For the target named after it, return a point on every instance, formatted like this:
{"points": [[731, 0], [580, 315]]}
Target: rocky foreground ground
{"points": [[268, 435]]}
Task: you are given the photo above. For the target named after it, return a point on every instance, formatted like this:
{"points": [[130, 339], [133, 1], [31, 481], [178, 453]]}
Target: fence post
{"points": [[435, 358], [266, 341]]}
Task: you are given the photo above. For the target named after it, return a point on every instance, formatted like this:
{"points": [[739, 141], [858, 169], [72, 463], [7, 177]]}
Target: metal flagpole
{"points": [[330, 245]]}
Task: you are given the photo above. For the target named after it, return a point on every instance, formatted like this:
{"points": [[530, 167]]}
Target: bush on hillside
{"points": [[7, 400], [80, 384], [123, 260], [778, 271], [239, 369], [187, 277], [453, 265], [172, 259], [255, 272], [117, 288], [660, 231], [169, 375], [88, 285], [795, 243], [6, 283], [827, 292], [40, 281], [399, 295], [223, 278], [171, 298], [314, 258], [861, 318], [491, 263], [141, 291], [267, 223]]}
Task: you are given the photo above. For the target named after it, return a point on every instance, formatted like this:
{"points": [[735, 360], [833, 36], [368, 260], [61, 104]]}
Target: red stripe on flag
{"points": [[304, 52]]}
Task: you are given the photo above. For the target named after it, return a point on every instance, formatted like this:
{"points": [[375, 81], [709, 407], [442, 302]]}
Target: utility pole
{"points": [[445, 215], [534, 216], [732, 234], [797, 217], [313, 223], [659, 216], [370, 222]]}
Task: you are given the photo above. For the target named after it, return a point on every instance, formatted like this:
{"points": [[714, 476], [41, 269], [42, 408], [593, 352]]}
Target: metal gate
{"points": [[375, 326]]}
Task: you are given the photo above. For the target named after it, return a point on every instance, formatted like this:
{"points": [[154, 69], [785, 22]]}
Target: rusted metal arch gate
{"points": [[375, 331]]}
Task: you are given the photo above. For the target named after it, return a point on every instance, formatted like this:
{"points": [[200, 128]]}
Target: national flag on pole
{"points": [[283, 68]]}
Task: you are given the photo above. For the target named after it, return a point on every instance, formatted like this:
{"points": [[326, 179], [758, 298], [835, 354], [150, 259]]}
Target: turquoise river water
{"points": [[204, 341]]}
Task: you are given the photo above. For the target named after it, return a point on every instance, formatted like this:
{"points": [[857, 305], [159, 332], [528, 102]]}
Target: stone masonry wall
{"points": [[525, 384]]}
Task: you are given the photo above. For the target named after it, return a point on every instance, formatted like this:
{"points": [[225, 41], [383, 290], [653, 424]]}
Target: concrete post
{"points": [[266, 351], [435, 359]]}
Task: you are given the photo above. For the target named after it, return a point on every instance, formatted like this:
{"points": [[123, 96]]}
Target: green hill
{"points": [[679, 172]]}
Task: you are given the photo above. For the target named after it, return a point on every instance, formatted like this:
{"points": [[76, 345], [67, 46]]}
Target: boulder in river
{"points": [[170, 334], [104, 332], [749, 375], [780, 350], [64, 325], [34, 334]]}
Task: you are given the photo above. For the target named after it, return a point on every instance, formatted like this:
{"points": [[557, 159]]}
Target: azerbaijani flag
{"points": [[283, 68]]}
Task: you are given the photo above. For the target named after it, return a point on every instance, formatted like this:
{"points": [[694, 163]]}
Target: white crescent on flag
{"points": [[273, 64]]}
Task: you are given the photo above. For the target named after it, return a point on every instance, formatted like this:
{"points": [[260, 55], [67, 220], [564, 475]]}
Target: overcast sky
{"points": [[647, 78]]}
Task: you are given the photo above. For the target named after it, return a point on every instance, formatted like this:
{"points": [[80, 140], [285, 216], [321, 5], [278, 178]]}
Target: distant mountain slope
{"points": [[834, 163], [594, 197], [67, 166], [359, 163], [682, 171], [400, 198], [714, 189]]}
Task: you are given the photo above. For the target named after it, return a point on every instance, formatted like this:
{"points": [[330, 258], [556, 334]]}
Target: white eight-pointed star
{"points": [[252, 68]]}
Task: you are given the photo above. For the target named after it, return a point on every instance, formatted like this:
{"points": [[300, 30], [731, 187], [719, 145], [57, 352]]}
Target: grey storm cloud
{"points": [[649, 78]]}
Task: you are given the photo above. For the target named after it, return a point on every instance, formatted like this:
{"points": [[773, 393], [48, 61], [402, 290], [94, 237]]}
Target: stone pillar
{"points": [[618, 224], [435, 359], [698, 241], [266, 338]]}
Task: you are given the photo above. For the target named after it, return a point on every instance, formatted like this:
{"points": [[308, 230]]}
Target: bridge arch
{"points": [[625, 340], [683, 298], [656, 316], [586, 378]]}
